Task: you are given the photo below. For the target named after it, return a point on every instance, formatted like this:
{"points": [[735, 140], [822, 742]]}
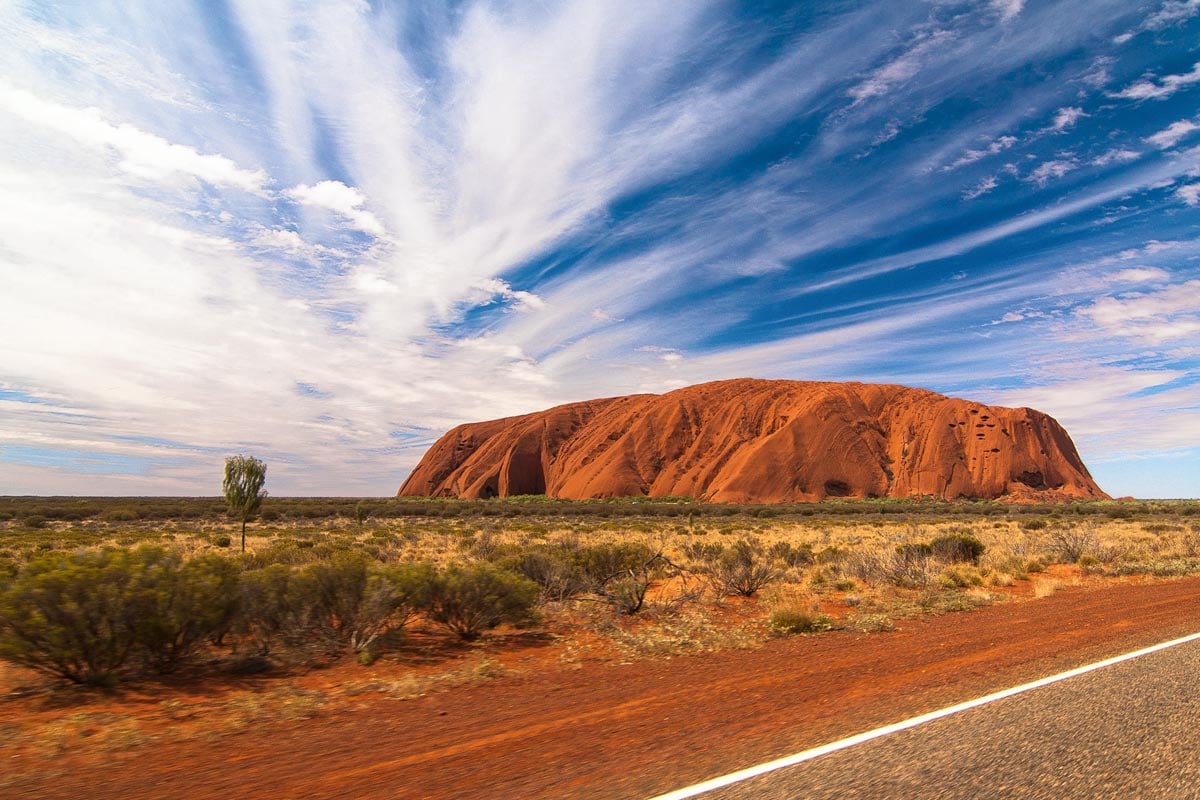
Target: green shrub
{"points": [[791, 619], [872, 623], [743, 569], [347, 602], [832, 555], [627, 594], [556, 571], [908, 565], [224, 540], [957, 548], [284, 551], [800, 555], [601, 563], [120, 514], [92, 616], [620, 573], [914, 550], [704, 552], [34, 521], [68, 616], [469, 600], [1068, 545], [78, 616], [182, 603], [959, 577]]}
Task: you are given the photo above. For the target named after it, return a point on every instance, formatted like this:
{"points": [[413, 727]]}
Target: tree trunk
{"points": [[243, 534]]}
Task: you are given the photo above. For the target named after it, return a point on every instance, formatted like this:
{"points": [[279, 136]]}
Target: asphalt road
{"points": [[1130, 730]]}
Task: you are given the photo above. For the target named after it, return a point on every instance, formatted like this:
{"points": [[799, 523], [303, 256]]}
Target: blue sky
{"points": [[323, 233]]}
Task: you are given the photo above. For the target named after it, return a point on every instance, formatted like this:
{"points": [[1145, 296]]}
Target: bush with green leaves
{"points": [[120, 514], [703, 552], [555, 569], [793, 555], [71, 616], [957, 548], [182, 604], [349, 602], [602, 563], [743, 568], [1069, 544], [908, 566], [620, 573], [264, 608], [790, 619], [92, 616], [470, 599]]}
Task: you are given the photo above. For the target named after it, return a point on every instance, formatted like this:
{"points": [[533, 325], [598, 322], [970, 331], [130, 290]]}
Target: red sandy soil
{"points": [[755, 441], [610, 730]]}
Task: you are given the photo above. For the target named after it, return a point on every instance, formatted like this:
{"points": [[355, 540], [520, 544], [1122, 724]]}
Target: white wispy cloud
{"points": [[142, 154], [1066, 117], [889, 132], [1152, 247], [1172, 312], [1189, 193], [291, 243], [341, 199], [1173, 134], [1140, 275], [667, 354], [1051, 170], [1099, 73], [1114, 410], [1172, 12], [1117, 155], [998, 145], [1160, 88], [1159, 174], [492, 289], [983, 187], [99, 59], [901, 68], [1007, 9]]}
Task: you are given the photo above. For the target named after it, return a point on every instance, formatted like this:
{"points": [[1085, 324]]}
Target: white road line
{"points": [[842, 744]]}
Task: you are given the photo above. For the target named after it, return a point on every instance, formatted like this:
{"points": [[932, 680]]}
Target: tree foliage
{"points": [[243, 488]]}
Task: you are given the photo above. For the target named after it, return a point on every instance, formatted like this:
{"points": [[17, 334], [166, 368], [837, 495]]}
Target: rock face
{"points": [[757, 441]]}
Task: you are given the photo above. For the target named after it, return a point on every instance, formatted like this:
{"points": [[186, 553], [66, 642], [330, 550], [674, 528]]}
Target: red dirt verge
{"points": [[635, 730]]}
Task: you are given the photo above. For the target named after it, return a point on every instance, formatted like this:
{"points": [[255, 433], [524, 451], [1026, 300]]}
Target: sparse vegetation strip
{"points": [[99, 591]]}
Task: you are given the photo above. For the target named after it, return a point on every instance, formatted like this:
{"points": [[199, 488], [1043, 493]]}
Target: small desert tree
{"points": [[244, 479]]}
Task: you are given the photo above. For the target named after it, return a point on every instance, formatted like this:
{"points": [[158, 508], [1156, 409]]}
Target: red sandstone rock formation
{"points": [[756, 441]]}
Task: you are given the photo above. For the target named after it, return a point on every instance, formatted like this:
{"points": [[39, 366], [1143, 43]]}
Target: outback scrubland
{"points": [[127, 620]]}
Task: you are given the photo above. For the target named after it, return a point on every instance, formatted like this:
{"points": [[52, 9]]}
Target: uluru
{"points": [[761, 441]]}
